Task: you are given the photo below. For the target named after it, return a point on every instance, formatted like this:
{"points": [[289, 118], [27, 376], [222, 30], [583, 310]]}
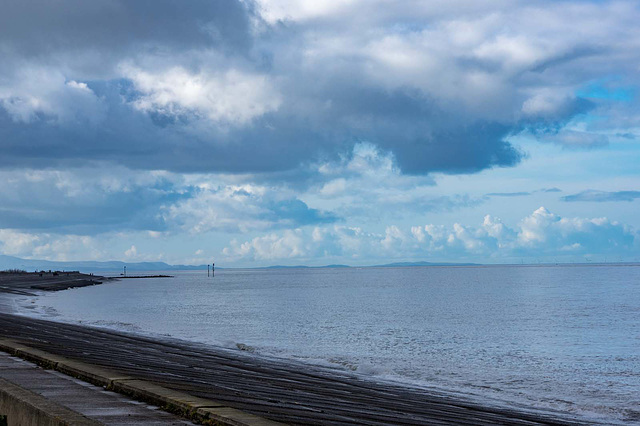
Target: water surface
{"points": [[551, 337]]}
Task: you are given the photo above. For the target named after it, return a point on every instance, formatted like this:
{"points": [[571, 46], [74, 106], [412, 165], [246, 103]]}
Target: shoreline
{"points": [[28, 282], [283, 391], [252, 355], [33, 284]]}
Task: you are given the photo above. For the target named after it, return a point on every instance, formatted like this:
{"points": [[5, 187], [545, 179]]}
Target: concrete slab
{"points": [[92, 403], [40, 357], [89, 373], [182, 404], [9, 346], [172, 400], [21, 407], [233, 416]]}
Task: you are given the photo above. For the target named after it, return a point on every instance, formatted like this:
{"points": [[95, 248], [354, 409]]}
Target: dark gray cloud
{"points": [[44, 28], [398, 122], [602, 196], [209, 86]]}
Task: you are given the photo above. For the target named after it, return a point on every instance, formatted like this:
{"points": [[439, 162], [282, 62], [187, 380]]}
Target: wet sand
{"points": [[30, 283], [278, 390]]}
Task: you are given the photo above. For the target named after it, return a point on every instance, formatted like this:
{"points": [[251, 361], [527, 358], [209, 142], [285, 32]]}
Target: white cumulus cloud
{"points": [[540, 234], [227, 97]]}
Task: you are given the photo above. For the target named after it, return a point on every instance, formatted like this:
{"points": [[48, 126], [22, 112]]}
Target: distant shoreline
{"points": [[112, 267], [28, 282]]}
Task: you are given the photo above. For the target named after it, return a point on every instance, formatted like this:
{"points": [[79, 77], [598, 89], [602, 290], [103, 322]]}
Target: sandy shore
{"points": [[13, 286], [29, 283], [281, 391]]}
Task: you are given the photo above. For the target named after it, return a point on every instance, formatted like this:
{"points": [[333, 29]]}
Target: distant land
{"points": [[386, 265], [10, 262], [300, 266], [400, 264]]}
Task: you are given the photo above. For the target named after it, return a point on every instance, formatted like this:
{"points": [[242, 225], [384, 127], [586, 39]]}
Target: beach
{"points": [[288, 392]]}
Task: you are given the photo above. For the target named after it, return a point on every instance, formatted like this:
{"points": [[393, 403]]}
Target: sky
{"points": [[253, 133]]}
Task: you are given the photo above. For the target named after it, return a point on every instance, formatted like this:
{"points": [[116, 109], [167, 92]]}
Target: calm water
{"points": [[555, 338]]}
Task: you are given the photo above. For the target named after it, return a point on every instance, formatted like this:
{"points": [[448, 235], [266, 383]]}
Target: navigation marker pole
{"points": [[213, 274], [207, 269]]}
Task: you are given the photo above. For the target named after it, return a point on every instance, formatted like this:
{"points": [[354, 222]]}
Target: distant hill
{"points": [[8, 262], [399, 264], [301, 267], [386, 265]]}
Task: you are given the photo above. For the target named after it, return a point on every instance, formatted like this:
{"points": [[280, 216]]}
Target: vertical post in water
{"points": [[125, 271], [213, 274], [207, 269]]}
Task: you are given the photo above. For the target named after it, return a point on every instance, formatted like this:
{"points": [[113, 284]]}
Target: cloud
{"points": [[547, 103], [370, 176], [49, 246], [259, 117], [508, 194], [241, 208], [39, 92], [393, 238], [76, 247], [272, 246], [573, 139], [521, 193], [602, 196], [229, 98], [544, 232], [85, 201], [627, 135], [99, 199], [16, 243], [114, 28], [540, 235], [132, 252], [247, 87]]}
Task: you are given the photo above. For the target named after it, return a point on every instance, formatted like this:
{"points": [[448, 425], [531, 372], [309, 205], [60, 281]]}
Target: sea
{"points": [[549, 338]]}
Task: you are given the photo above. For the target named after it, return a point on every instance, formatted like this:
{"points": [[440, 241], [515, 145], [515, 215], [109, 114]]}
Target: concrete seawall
{"points": [[221, 386], [21, 407], [270, 389]]}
